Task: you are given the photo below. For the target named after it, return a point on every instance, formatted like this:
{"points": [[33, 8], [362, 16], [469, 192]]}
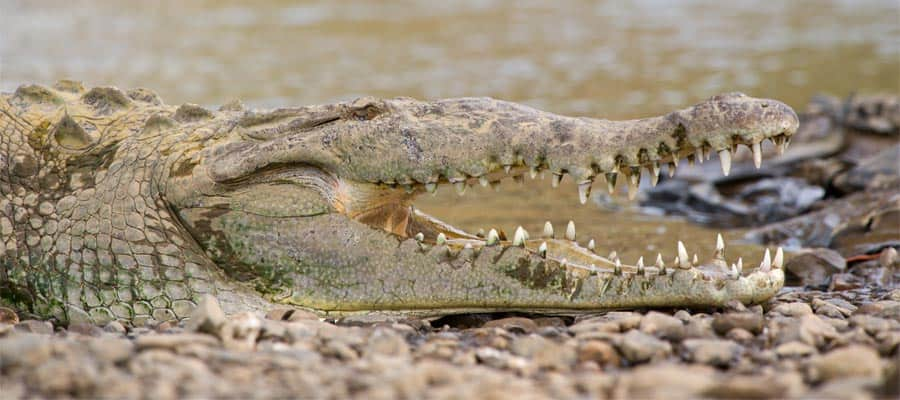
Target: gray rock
{"points": [[662, 326], [749, 321], [809, 329], [241, 331], [715, 352], [25, 350], [208, 317], [111, 350], [782, 385], [872, 324], [637, 347], [846, 362], [814, 267]]}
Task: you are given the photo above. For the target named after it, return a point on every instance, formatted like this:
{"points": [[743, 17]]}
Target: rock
{"points": [[850, 388], [543, 352], [739, 335], [173, 341], [784, 384], [795, 309], [241, 331], [84, 328], [25, 350], [637, 347], [662, 326], [715, 352], [665, 381], [794, 349], [814, 267], [513, 324], [111, 350], [207, 317], [831, 310], [749, 321], [699, 328], [8, 316], [845, 362], [599, 352], [889, 258], [386, 342], [809, 329], [872, 324], [114, 327], [35, 326]]}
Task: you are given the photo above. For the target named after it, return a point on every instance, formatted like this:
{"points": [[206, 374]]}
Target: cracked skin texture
{"points": [[117, 206]]}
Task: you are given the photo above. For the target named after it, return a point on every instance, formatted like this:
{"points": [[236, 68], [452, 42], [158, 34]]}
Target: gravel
{"points": [[806, 344]]}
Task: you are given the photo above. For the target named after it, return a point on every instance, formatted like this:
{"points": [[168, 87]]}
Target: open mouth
{"points": [[390, 206]]}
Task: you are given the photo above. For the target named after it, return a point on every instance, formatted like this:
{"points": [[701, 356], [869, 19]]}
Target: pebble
{"points": [[207, 317], [637, 347], [749, 321], [8, 316], [600, 352], [845, 362], [35, 326], [794, 349], [662, 326], [815, 267], [715, 352], [795, 309]]}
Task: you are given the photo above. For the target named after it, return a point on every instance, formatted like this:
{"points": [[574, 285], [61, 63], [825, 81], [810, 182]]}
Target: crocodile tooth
{"points": [[766, 264], [493, 237], [787, 142], [696, 260], [613, 255], [618, 267], [673, 165], [611, 182], [698, 154], [460, 187], [542, 249], [778, 261], [548, 230], [659, 261], [480, 233], [735, 274], [420, 237], [431, 187], [654, 173], [740, 265], [584, 191], [441, 239], [779, 144], [570, 231], [683, 260], [720, 247], [725, 158], [519, 237], [634, 180], [556, 179], [591, 245], [757, 154], [507, 168], [533, 172], [690, 160], [640, 265], [483, 180], [408, 188]]}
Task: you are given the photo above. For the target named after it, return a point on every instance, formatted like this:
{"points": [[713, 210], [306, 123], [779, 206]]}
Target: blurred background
{"points": [[597, 58]]}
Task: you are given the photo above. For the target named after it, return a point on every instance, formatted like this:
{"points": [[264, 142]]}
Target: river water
{"points": [[603, 59]]}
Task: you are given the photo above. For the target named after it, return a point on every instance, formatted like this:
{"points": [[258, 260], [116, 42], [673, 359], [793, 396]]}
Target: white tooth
{"points": [[740, 265], [725, 158], [766, 264], [480, 232], [507, 168], [542, 249], [570, 231], [591, 245], [720, 247], [564, 262], [634, 180], [618, 268], [779, 144], [673, 165], [519, 237], [613, 255], [468, 246], [659, 261], [640, 264], [441, 239], [696, 260], [757, 154], [556, 179], [420, 237], [548, 230], [787, 142], [584, 191], [698, 155], [533, 172], [734, 272], [683, 260], [778, 262], [611, 182], [431, 187], [460, 187], [654, 173], [483, 180], [493, 237]]}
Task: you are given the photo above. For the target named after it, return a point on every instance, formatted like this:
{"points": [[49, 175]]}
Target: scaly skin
{"points": [[116, 206]]}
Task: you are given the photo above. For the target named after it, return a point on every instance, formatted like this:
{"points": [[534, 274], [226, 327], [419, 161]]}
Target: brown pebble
{"points": [[8, 316], [599, 352]]}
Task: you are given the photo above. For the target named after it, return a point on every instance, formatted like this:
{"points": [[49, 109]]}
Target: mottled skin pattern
{"points": [[117, 206]]}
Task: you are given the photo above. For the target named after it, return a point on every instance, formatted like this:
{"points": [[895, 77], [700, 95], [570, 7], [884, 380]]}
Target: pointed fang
{"points": [[591, 245], [460, 187], [611, 182], [548, 230], [683, 260], [654, 173], [431, 187], [519, 237], [556, 179], [493, 237], [441, 239], [757, 154], [584, 191], [778, 261], [483, 180], [420, 237], [542, 250], [766, 264], [725, 158], [570, 231]]}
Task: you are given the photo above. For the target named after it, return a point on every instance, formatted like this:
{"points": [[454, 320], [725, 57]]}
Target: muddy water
{"points": [[589, 58]]}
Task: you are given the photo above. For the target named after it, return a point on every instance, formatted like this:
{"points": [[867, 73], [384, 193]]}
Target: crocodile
{"points": [[116, 206]]}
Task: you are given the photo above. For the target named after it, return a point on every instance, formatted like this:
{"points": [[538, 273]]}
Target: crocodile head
{"points": [[316, 205], [114, 205]]}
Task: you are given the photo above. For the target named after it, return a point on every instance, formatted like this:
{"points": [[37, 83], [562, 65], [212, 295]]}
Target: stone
{"points": [[114, 327], [513, 324], [599, 352], [795, 309], [700, 328], [665, 381], [794, 349], [35, 326], [809, 329], [241, 331], [638, 347], [111, 350], [545, 353], [784, 384], [814, 267], [749, 321], [173, 341], [715, 352], [207, 317], [662, 326], [739, 335], [8, 316], [872, 324], [386, 342], [846, 362]]}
